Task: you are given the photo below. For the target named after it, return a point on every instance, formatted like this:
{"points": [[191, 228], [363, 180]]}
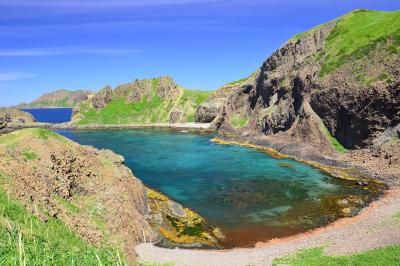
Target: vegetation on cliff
{"points": [[14, 116], [141, 102], [59, 98], [343, 74], [69, 186], [358, 33], [66, 204], [27, 240]]}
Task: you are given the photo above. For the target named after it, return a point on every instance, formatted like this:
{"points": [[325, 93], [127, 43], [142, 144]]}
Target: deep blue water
{"points": [[250, 194], [50, 115]]}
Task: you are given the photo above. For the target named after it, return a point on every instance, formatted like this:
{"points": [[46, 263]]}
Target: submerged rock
{"points": [[180, 227]]}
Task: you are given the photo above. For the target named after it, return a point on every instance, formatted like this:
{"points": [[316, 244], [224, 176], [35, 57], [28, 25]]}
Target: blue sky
{"points": [[85, 44]]}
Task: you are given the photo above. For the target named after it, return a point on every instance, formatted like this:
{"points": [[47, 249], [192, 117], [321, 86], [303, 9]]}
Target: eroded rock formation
{"points": [[299, 99]]}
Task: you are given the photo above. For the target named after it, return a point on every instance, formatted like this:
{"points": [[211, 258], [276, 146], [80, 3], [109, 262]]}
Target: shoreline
{"points": [[188, 126], [375, 226], [335, 171], [263, 253], [41, 108], [290, 244]]}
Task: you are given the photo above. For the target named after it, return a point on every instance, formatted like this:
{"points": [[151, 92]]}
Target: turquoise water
{"points": [[249, 194]]}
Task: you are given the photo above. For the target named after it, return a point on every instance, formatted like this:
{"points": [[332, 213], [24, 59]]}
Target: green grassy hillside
{"points": [[357, 33], [26, 240], [56, 103], [59, 98], [150, 109]]}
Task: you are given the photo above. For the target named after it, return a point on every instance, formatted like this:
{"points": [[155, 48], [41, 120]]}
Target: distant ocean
{"points": [[50, 115]]}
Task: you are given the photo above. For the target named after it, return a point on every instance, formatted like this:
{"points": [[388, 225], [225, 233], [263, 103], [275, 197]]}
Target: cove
{"points": [[250, 195]]}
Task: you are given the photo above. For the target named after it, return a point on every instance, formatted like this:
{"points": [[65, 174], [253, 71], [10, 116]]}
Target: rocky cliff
{"points": [[90, 190], [333, 88], [141, 102], [59, 98], [94, 194], [14, 116]]}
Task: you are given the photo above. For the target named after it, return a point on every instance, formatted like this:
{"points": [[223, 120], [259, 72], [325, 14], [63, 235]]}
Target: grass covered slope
{"points": [[346, 71], [26, 240], [72, 188], [15, 116], [142, 102], [357, 33], [59, 98]]}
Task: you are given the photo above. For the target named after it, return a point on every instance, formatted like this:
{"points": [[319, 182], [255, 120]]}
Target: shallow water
{"points": [[249, 194]]}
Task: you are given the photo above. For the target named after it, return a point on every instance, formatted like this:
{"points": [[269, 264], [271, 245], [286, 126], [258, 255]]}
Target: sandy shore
{"points": [[193, 125], [376, 226]]}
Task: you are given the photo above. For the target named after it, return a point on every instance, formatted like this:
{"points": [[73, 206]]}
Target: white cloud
{"points": [[63, 51], [9, 76]]}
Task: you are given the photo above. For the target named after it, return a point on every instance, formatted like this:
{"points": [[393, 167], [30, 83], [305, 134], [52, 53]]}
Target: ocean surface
{"points": [[50, 115], [249, 194]]}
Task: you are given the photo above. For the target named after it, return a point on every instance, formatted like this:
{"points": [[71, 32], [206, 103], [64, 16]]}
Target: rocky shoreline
{"points": [[344, 166], [95, 194], [376, 226], [338, 166], [341, 167]]}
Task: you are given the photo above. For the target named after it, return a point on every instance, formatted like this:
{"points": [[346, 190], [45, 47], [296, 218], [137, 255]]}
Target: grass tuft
{"points": [[334, 142], [68, 205], [30, 155], [238, 121]]}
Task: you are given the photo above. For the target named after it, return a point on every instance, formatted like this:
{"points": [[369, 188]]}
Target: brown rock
{"points": [[95, 183], [102, 98]]}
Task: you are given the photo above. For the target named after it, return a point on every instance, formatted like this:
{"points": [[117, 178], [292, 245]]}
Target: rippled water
{"points": [[249, 194]]}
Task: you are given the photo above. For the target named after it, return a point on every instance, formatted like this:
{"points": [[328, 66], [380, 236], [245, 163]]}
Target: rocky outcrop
{"points": [[90, 190], [94, 194], [299, 99], [163, 87], [175, 116], [59, 98], [208, 111], [179, 226], [358, 117], [102, 98], [15, 116], [167, 88], [158, 100]]}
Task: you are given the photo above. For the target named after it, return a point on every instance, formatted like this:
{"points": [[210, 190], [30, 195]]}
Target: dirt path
{"points": [[376, 226]]}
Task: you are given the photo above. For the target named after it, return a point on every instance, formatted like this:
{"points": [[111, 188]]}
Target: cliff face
{"points": [[141, 101], [94, 194], [90, 190], [337, 84], [59, 98]]}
